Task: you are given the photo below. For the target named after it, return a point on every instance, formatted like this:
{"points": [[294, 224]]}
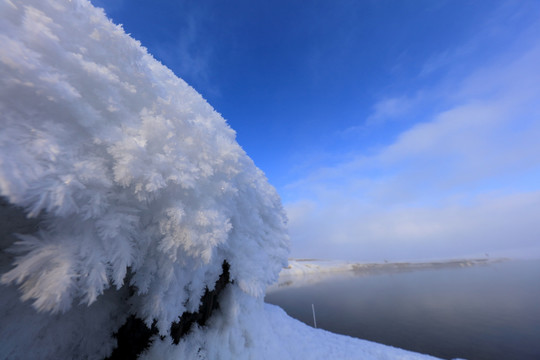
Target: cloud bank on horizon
{"points": [[462, 181], [391, 131]]}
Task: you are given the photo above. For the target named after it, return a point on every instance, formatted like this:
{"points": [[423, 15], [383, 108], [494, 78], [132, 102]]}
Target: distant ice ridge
{"points": [[122, 192]]}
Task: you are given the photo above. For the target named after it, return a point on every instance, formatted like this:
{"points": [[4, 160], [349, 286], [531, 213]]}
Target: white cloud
{"points": [[389, 108], [465, 182], [495, 225]]}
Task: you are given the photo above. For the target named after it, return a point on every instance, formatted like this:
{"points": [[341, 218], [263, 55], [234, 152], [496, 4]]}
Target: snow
{"points": [[249, 329], [314, 266], [300, 267], [122, 191], [301, 272]]}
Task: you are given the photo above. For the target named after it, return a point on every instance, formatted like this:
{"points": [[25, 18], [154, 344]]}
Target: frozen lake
{"points": [[477, 312]]}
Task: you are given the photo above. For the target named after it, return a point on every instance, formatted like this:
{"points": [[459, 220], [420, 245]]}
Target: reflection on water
{"points": [[477, 312]]}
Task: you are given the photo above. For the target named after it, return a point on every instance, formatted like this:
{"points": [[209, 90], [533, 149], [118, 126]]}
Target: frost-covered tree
{"points": [[122, 190]]}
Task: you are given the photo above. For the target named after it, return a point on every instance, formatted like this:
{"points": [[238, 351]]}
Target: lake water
{"points": [[478, 312]]}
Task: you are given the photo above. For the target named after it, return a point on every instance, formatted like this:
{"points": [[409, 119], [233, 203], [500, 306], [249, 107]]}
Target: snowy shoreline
{"points": [[306, 266], [309, 271]]}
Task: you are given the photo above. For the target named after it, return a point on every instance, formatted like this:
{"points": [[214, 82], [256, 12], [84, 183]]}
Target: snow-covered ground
{"points": [[312, 266], [122, 193], [300, 272], [265, 331], [316, 266]]}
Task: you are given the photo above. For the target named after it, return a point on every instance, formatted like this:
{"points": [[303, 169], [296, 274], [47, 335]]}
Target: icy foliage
{"points": [[130, 174]]}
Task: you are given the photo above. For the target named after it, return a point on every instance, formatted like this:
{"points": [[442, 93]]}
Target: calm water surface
{"points": [[480, 312]]}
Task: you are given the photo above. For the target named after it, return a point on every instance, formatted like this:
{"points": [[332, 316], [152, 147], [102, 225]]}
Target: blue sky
{"points": [[391, 129]]}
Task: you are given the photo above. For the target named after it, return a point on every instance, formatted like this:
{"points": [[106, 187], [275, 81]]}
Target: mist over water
{"points": [[478, 312]]}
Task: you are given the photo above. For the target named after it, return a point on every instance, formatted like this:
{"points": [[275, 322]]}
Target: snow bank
{"points": [[312, 266], [299, 267], [122, 192], [249, 329], [301, 272]]}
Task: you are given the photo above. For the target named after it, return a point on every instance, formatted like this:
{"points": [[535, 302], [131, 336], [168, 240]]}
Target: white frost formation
{"points": [[127, 168], [127, 191]]}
